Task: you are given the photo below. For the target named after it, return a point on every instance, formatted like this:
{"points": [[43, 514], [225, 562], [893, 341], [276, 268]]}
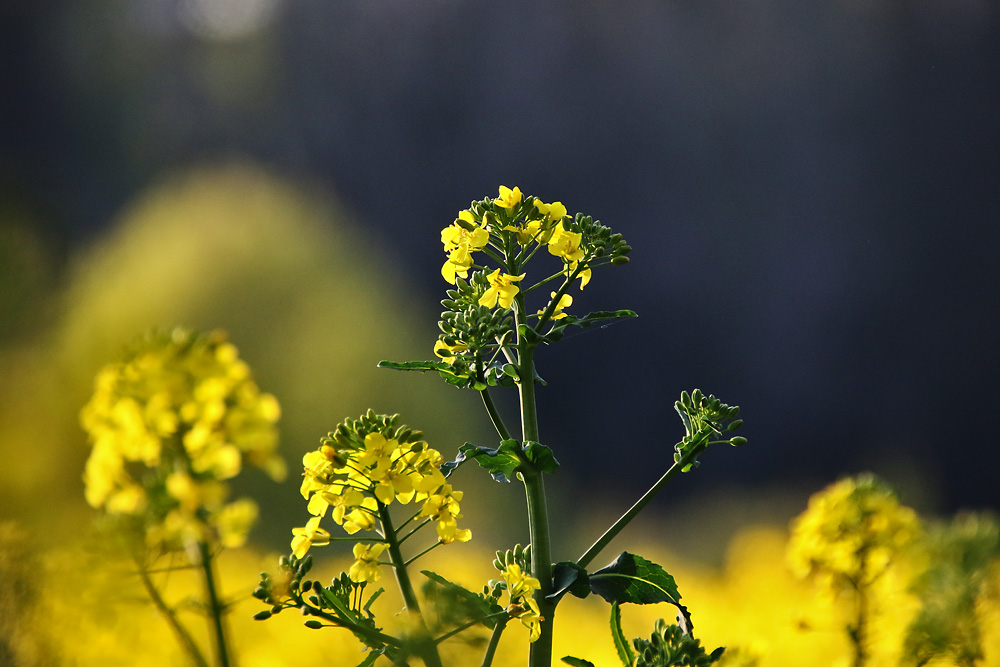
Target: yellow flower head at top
{"points": [[502, 290], [508, 199]]}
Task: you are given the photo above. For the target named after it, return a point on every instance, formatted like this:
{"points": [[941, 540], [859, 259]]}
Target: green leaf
{"points": [[634, 579], [540, 457], [577, 662], [372, 599], [476, 606], [568, 577], [597, 318], [421, 366], [625, 653], [501, 462], [446, 371], [370, 659]]}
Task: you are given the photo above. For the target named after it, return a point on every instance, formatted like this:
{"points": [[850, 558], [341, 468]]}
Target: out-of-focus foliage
{"points": [[309, 301], [953, 601]]}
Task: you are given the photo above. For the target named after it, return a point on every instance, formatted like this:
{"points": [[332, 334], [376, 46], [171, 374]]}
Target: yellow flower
{"points": [[460, 243], [458, 264], [554, 211], [519, 584], [447, 353], [584, 275], [527, 612], [366, 566], [234, 522], [457, 236], [508, 198], [565, 301], [442, 506], [502, 290], [362, 517], [566, 244], [308, 536]]}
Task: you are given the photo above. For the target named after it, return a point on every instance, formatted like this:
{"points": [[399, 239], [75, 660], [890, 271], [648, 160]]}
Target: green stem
{"points": [[425, 648], [491, 648], [338, 622], [491, 408], [534, 487], [185, 639], [215, 606], [625, 519]]}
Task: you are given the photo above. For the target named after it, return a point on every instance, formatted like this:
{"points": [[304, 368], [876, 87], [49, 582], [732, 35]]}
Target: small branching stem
{"points": [[491, 408], [491, 648], [625, 519], [215, 607], [427, 650], [183, 636]]}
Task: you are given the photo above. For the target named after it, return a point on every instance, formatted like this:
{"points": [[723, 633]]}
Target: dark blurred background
{"points": [[811, 188]]}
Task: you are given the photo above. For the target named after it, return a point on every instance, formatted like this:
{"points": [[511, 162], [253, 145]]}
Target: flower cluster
{"points": [[509, 230], [850, 532], [172, 420], [361, 469]]}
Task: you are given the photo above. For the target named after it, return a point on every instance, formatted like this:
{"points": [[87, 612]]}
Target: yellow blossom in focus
{"points": [[566, 244], [460, 243], [307, 536], [519, 584], [521, 588], [502, 290], [508, 198], [528, 613], [565, 301], [366, 566]]}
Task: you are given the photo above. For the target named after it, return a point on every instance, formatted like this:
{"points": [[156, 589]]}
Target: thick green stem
{"points": [[534, 487], [215, 607], [625, 519], [183, 636], [425, 648]]}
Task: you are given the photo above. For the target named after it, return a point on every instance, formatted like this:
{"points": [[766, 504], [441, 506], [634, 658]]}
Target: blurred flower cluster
{"points": [[851, 532], [171, 421]]}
